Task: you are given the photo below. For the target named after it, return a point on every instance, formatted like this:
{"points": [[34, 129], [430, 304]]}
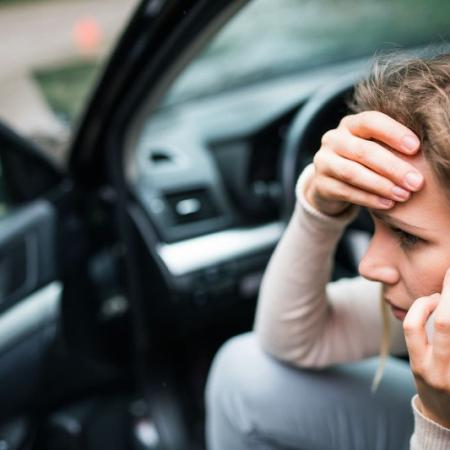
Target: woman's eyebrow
{"points": [[393, 221]]}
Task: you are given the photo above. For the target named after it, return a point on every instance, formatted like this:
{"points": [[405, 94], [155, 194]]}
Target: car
{"points": [[126, 263]]}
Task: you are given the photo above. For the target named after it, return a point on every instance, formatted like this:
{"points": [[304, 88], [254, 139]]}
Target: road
{"points": [[40, 35]]}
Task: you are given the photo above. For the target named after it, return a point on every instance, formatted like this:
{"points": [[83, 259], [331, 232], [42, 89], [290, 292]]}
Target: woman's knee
{"points": [[238, 389], [252, 396], [236, 371]]}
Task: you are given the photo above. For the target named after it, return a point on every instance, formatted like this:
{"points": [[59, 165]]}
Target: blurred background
{"points": [[51, 52]]}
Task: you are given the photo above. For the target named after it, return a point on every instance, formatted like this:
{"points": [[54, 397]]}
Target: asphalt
{"points": [[38, 35]]}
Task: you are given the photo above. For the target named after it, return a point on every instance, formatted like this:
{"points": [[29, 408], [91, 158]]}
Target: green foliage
{"points": [[66, 88]]}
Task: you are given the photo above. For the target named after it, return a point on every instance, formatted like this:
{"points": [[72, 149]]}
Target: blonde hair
{"points": [[415, 92], [385, 345]]}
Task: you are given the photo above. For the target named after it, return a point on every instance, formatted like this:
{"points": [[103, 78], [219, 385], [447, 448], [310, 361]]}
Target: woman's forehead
{"points": [[427, 208]]}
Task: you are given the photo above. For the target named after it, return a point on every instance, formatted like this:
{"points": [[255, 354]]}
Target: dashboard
{"points": [[208, 176]]}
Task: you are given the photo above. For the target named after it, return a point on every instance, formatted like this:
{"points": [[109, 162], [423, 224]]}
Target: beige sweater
{"points": [[306, 320]]}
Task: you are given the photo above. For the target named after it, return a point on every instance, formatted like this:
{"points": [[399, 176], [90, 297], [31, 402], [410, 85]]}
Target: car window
{"points": [[51, 55], [268, 39]]}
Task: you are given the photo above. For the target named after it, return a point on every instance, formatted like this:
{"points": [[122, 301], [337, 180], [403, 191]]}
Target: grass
{"points": [[66, 88]]}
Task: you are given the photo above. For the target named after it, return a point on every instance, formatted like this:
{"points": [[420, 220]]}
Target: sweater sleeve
{"points": [[428, 435], [303, 318]]}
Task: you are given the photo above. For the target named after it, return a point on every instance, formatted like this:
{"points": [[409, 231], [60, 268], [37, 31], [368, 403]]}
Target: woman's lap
{"points": [[256, 402]]}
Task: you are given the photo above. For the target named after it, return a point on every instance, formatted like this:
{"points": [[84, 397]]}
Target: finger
{"points": [[379, 126], [377, 158], [414, 325], [328, 187], [441, 337], [359, 176]]}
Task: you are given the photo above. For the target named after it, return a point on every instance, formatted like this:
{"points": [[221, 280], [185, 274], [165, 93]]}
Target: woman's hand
{"points": [[430, 361], [355, 165]]}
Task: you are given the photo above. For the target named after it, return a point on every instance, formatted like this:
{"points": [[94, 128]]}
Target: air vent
{"points": [[191, 206], [160, 157]]}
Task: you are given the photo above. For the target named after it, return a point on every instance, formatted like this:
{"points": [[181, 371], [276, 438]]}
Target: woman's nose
{"points": [[378, 263]]}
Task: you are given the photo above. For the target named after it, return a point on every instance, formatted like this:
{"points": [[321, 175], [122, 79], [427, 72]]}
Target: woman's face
{"points": [[410, 250]]}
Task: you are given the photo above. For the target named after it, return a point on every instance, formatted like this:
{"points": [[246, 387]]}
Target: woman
{"points": [[393, 157]]}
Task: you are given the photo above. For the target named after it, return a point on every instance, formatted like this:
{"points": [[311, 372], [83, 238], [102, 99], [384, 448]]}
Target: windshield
{"points": [[273, 38]]}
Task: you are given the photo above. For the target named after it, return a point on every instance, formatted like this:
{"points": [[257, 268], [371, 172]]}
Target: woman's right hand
{"points": [[356, 165]]}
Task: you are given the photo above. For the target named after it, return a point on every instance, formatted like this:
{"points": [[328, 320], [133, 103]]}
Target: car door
{"points": [[30, 287], [44, 265], [51, 55]]}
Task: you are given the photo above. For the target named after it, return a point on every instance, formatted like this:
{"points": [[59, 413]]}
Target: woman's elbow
{"points": [[287, 350]]}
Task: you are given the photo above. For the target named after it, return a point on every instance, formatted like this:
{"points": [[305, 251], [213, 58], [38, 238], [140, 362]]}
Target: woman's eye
{"points": [[407, 240]]}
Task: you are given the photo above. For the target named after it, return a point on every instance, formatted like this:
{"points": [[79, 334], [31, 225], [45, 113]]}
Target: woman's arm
{"points": [[300, 318], [428, 435], [429, 352], [304, 319]]}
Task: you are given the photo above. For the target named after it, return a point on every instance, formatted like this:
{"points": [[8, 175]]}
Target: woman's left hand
{"points": [[430, 360]]}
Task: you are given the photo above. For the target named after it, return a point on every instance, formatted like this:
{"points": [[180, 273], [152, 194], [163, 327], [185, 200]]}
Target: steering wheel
{"points": [[319, 114]]}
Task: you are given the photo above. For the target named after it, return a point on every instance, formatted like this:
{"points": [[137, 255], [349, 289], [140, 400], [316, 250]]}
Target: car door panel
{"points": [[29, 301], [22, 362], [27, 251]]}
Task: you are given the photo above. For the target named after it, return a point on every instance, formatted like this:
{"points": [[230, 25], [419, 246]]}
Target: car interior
{"points": [[122, 274]]}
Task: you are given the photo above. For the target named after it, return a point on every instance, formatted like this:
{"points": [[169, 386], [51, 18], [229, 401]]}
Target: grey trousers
{"points": [[256, 402]]}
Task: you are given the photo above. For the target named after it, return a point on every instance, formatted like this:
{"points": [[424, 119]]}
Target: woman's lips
{"points": [[399, 313]]}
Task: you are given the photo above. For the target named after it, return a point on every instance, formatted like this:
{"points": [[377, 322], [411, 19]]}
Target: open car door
{"points": [[29, 280]]}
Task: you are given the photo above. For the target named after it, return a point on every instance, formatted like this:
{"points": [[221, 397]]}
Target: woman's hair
{"points": [[384, 344], [415, 92]]}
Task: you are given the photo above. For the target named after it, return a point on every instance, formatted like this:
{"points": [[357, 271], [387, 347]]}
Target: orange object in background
{"points": [[87, 35]]}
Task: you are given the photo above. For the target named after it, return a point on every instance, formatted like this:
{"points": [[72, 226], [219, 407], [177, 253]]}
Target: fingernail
{"points": [[413, 179], [385, 202], [410, 143], [399, 193]]}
